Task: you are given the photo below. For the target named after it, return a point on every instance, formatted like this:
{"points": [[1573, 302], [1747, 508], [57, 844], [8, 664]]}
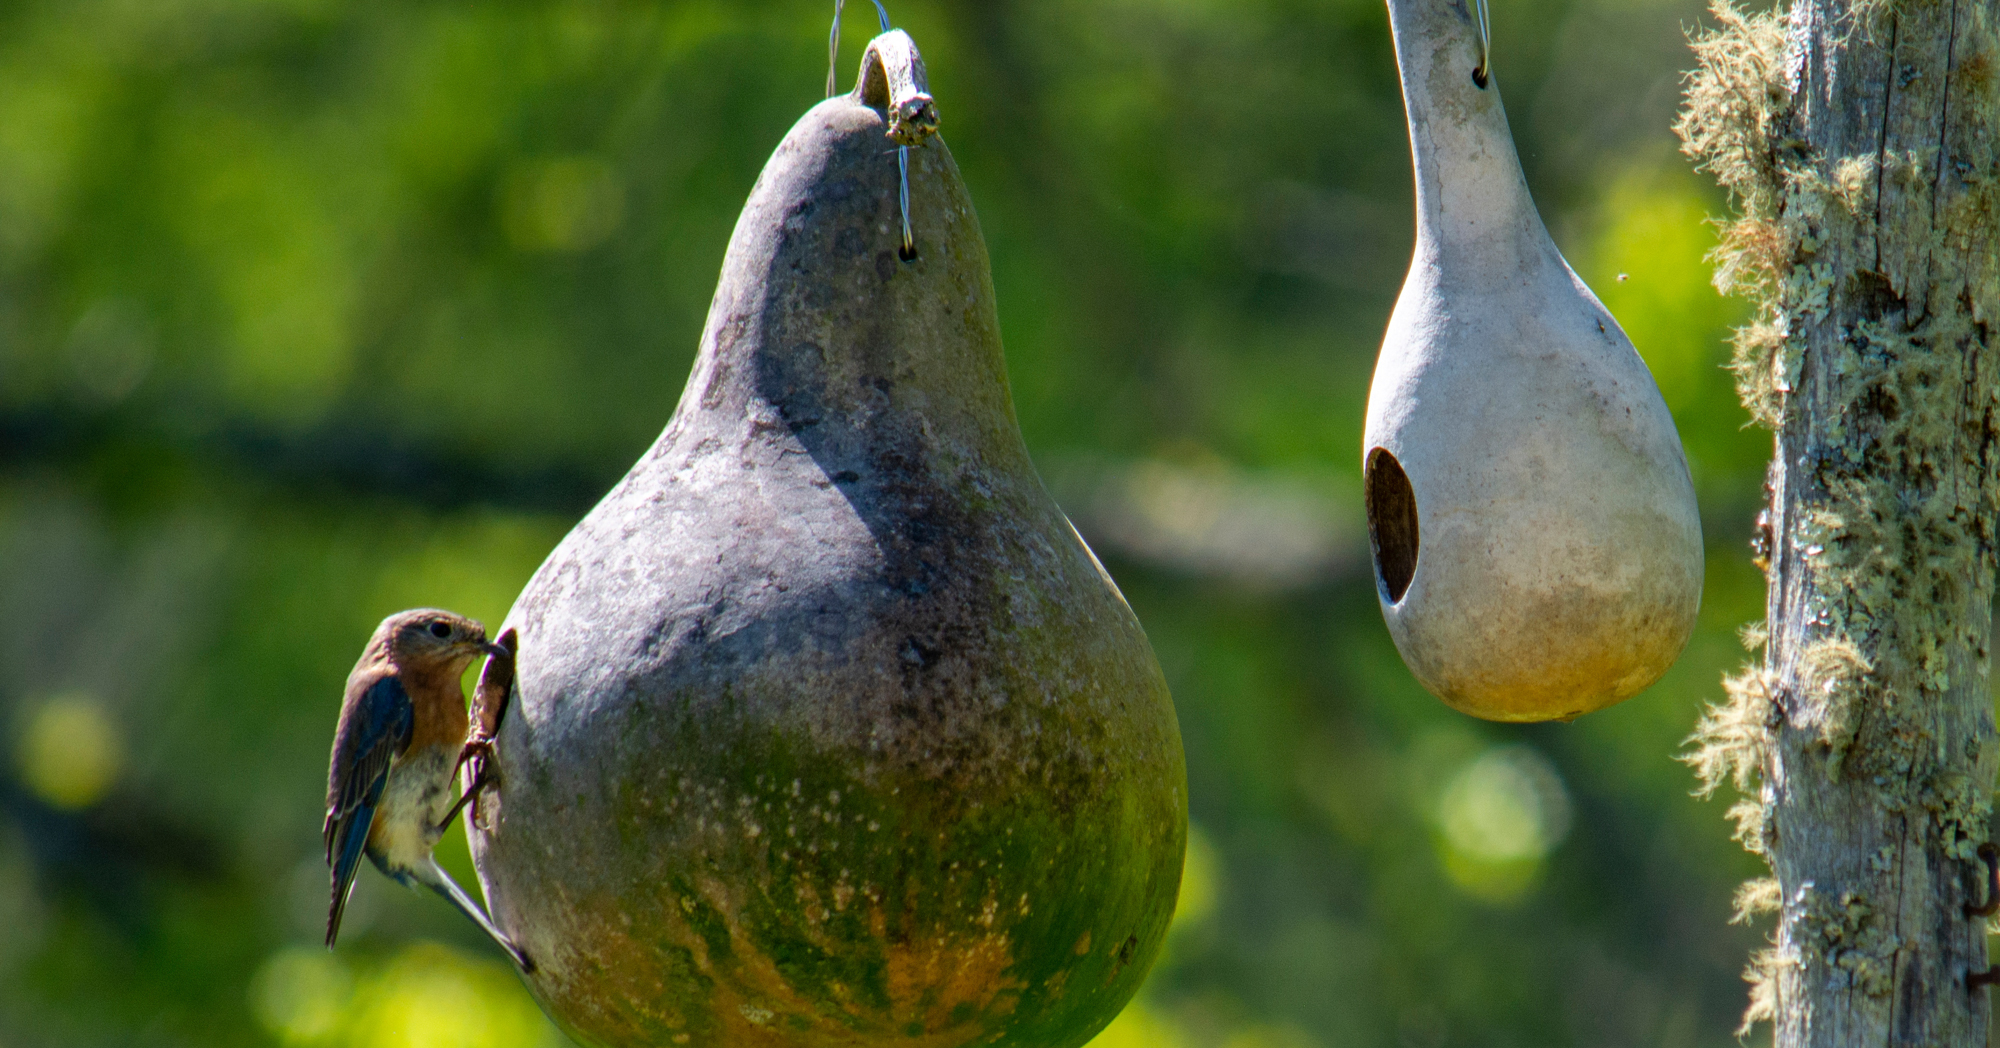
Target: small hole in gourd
{"points": [[1479, 77], [907, 252], [1392, 522]]}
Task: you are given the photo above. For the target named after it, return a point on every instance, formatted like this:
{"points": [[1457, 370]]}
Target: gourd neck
{"points": [[1470, 190]]}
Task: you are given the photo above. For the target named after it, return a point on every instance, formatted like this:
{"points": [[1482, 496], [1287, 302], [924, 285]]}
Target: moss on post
{"points": [[1857, 139]]}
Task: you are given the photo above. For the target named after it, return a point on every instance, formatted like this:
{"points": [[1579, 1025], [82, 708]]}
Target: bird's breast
{"points": [[439, 706], [415, 799]]}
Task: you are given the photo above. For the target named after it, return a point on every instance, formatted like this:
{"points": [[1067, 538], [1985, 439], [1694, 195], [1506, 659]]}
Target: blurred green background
{"points": [[311, 311]]}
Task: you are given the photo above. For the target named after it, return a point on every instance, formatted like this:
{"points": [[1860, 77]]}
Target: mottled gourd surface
{"points": [[829, 729]]}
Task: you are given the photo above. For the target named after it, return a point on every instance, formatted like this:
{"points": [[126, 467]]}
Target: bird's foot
{"points": [[482, 778], [478, 750]]}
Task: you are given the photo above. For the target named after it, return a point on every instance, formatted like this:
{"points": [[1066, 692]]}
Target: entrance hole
{"points": [[1392, 522]]}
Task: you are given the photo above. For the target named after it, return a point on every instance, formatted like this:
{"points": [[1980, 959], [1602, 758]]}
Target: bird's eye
{"points": [[440, 630]]}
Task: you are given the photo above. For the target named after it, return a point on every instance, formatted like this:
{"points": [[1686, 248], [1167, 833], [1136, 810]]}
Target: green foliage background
{"points": [[311, 311]]}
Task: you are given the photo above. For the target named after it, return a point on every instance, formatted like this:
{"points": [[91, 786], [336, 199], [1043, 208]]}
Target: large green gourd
{"points": [[829, 730]]}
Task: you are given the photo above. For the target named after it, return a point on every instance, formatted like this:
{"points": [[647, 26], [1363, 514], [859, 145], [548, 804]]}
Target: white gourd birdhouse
{"points": [[1536, 542]]}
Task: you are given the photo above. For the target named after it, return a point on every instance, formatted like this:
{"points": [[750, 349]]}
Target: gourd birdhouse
{"points": [[1536, 543], [828, 729]]}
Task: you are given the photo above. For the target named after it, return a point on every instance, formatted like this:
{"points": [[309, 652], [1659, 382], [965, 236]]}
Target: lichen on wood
{"points": [[1857, 142]]}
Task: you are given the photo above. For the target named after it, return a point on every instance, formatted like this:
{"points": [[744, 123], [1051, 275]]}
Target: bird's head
{"points": [[427, 636]]}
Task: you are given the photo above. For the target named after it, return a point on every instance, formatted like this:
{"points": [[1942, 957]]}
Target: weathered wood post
{"points": [[1857, 141]]}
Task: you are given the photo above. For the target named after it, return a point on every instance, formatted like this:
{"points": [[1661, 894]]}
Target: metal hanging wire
{"points": [[1482, 19], [908, 250], [833, 51]]}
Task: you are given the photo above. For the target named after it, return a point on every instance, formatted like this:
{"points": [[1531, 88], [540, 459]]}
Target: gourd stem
{"points": [[893, 79], [1469, 182]]}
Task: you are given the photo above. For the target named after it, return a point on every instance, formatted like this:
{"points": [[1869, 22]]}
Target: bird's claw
{"points": [[477, 760], [489, 710], [480, 781], [477, 751]]}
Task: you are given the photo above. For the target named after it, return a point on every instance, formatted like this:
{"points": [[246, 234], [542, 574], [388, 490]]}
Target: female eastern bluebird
{"points": [[402, 728]]}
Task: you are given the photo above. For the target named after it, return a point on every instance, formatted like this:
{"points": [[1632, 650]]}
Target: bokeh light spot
{"points": [[430, 1009], [71, 752], [1139, 1027], [561, 204], [1508, 803], [300, 993], [433, 997], [1499, 816], [110, 350]]}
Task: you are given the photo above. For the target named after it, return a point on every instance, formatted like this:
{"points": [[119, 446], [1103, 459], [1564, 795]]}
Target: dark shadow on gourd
{"points": [[836, 373], [856, 405]]}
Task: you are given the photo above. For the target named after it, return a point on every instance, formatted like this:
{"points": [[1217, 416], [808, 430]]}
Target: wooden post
{"points": [[1857, 141]]}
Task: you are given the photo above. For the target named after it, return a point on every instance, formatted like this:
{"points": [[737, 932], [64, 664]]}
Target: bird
{"points": [[401, 734]]}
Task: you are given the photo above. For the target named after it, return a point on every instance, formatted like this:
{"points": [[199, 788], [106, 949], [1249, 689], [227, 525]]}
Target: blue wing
{"points": [[375, 726]]}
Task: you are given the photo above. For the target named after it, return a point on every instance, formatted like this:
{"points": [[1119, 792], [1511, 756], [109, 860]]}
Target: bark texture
{"points": [[1857, 140]]}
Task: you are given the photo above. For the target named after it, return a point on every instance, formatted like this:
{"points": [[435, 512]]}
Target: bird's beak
{"points": [[496, 651]]}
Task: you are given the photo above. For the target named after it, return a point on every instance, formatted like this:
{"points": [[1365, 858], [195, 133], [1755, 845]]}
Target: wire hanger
{"points": [[1484, 71], [908, 250]]}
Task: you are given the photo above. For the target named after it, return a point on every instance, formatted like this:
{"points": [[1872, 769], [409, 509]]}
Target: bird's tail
{"points": [[353, 837], [440, 882]]}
